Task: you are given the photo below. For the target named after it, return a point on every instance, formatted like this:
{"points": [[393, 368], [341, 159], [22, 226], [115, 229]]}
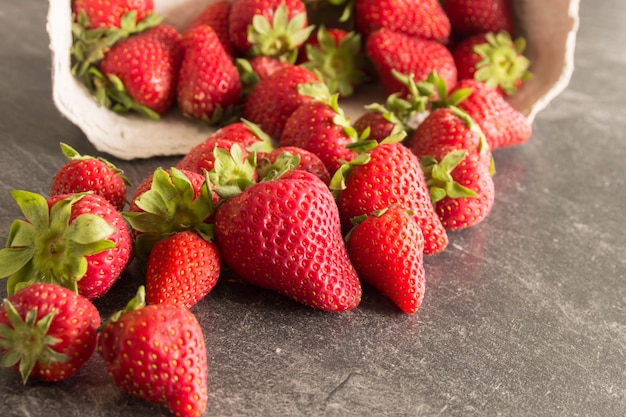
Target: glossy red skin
{"points": [[107, 13], [181, 269], [308, 161], [311, 127], [75, 325], [243, 11], [272, 101], [216, 16], [469, 17], [424, 19], [380, 127], [148, 65], [158, 353], [500, 122], [103, 268], [392, 176], [83, 175], [407, 54], [208, 78], [264, 66], [285, 235], [387, 253]]}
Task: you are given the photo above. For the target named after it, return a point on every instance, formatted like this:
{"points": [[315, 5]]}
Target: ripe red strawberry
{"points": [[405, 54], [141, 72], [108, 13], [321, 127], [386, 249], [386, 175], [469, 17], [47, 332], [201, 157], [500, 122], [494, 59], [157, 353], [285, 235], [216, 16], [274, 99], [254, 69], [87, 173], [274, 28], [79, 241], [209, 87], [307, 161], [182, 269], [423, 19], [380, 124]]}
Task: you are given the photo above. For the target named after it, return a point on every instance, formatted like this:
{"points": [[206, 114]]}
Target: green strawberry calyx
{"points": [[264, 144], [27, 342], [170, 206], [279, 38], [340, 65], [231, 173], [46, 247], [439, 178], [269, 171], [73, 155], [502, 62]]}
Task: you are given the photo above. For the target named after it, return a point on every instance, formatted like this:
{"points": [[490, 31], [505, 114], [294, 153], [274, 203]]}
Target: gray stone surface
{"points": [[525, 314]]}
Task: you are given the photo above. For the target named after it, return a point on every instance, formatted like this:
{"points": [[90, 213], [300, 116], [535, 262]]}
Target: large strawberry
{"points": [[182, 269], [109, 13], [273, 100], [285, 235], [493, 58], [273, 28], [386, 249], [209, 87], [469, 17], [87, 173], [47, 331], [216, 16], [157, 353], [385, 175], [389, 50], [79, 241], [423, 19], [140, 73]]}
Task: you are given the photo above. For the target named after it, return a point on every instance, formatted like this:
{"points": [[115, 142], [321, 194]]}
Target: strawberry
{"points": [[493, 58], [378, 124], [405, 54], [254, 69], [470, 17], [274, 28], [201, 157], [386, 249], [157, 353], [182, 269], [215, 15], [47, 332], [423, 19], [140, 73], [109, 13], [209, 87], [274, 99], [388, 174], [321, 127], [87, 173], [79, 241], [284, 235], [307, 161], [338, 57]]}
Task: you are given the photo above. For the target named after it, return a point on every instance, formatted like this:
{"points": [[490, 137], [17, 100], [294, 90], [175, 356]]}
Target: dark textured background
{"points": [[524, 314]]}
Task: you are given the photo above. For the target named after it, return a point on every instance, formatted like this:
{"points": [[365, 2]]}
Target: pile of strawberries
{"points": [[288, 194]]}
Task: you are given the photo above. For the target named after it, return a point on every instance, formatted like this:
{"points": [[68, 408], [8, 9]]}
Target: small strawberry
{"points": [[216, 16], [424, 19], [285, 235], [405, 54], [386, 249], [493, 58], [470, 17], [274, 28], [209, 87], [306, 161], [47, 332], [87, 173], [384, 175], [321, 127], [157, 353], [273, 100], [182, 269], [254, 69], [109, 13], [140, 73]]}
